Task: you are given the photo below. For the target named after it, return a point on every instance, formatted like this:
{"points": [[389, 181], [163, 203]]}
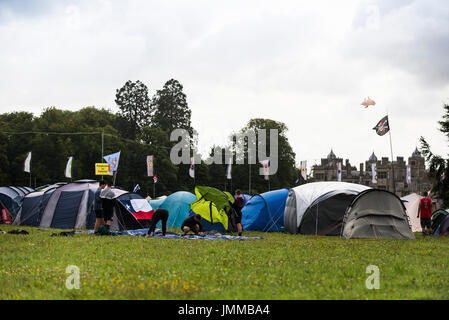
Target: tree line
{"points": [[141, 127]]}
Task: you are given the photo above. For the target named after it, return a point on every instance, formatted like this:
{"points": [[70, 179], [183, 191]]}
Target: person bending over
{"points": [[159, 215], [192, 223]]}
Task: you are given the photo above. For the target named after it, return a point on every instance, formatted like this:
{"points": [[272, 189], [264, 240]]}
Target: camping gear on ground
{"points": [[265, 212], [318, 208], [214, 206], [376, 213], [210, 235], [11, 198], [437, 217], [17, 231], [63, 234], [411, 203]]}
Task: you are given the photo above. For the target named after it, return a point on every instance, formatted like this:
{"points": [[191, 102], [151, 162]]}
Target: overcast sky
{"points": [[308, 64]]}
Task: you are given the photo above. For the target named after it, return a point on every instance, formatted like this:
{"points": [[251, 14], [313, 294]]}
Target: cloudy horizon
{"points": [[307, 64]]}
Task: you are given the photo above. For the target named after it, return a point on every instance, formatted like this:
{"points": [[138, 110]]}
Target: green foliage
{"points": [[141, 128], [170, 108], [134, 105], [438, 166], [281, 266]]}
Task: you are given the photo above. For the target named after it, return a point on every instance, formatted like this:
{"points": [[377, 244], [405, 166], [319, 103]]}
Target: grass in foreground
{"points": [[282, 266]]}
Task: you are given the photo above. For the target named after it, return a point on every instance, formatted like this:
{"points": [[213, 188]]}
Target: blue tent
{"points": [[33, 206], [178, 206], [11, 198], [156, 203], [265, 212]]}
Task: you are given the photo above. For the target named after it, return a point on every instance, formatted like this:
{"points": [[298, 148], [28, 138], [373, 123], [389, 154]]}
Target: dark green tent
{"points": [[376, 213], [437, 217]]}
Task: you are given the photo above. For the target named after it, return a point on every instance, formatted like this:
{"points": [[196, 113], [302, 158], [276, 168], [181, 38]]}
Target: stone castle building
{"points": [[327, 171]]}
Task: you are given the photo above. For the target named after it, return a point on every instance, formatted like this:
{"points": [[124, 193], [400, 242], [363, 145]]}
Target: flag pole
{"points": [[391, 150], [102, 149], [249, 177]]}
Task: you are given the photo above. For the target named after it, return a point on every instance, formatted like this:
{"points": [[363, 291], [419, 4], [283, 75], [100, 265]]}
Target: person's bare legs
{"points": [[98, 223], [239, 228]]}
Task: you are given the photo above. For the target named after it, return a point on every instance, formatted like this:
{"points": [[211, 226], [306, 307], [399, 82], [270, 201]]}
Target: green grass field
{"points": [[282, 266]]}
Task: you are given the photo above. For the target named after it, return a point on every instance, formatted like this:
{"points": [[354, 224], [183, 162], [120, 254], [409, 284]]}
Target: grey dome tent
{"points": [[33, 205], [376, 213], [318, 208]]}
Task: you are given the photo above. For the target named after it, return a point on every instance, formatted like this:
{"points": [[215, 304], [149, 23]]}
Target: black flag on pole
{"points": [[382, 127]]}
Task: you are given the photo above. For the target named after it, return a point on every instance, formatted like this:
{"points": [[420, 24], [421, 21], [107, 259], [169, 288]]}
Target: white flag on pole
{"points": [[228, 173], [339, 171], [409, 174], [304, 169], [373, 173], [264, 163], [192, 167], [27, 164], [68, 168]]}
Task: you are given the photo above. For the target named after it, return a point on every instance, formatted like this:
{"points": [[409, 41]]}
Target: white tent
{"points": [[411, 203], [304, 196]]}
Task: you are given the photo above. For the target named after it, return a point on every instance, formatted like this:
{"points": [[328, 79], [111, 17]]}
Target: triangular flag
{"points": [[228, 173], [27, 164], [339, 171], [192, 167], [373, 173], [304, 169], [68, 168], [264, 163]]}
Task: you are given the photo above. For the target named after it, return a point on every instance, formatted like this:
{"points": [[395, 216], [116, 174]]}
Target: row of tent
{"points": [[319, 208], [70, 206]]}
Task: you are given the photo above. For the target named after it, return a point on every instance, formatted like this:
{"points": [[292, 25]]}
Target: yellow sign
{"points": [[101, 169]]}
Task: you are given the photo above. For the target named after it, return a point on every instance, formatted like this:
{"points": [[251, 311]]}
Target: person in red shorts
{"points": [[425, 210]]}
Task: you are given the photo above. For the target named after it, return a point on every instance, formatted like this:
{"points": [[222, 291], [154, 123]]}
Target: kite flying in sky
{"points": [[368, 102]]}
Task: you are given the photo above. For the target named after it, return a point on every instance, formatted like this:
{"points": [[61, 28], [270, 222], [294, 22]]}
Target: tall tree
{"points": [[134, 104], [170, 108], [438, 165], [170, 111]]}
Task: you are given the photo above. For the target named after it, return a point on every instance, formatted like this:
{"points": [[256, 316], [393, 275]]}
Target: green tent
{"points": [[213, 206], [437, 217]]}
